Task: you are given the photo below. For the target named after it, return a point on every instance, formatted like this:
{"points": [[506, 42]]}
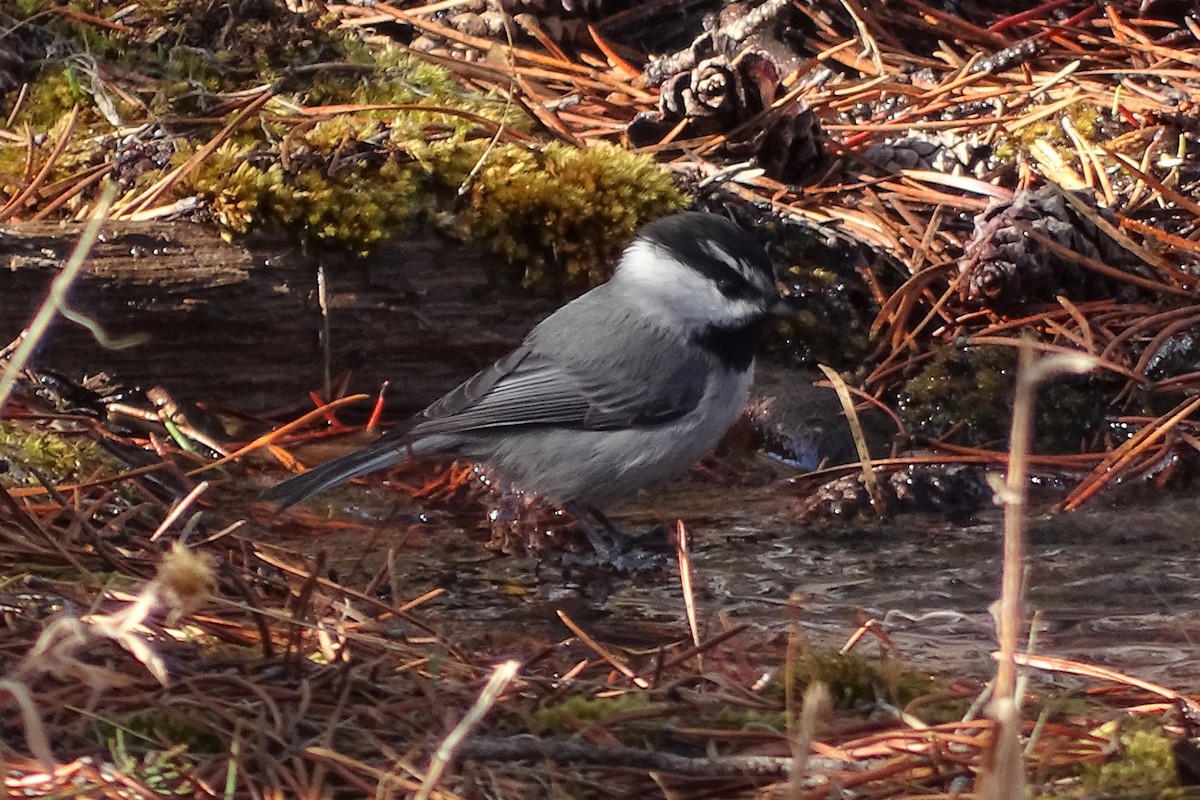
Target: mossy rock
{"points": [[968, 391], [356, 144]]}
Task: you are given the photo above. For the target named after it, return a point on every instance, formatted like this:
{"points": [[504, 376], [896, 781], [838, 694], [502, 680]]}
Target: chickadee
{"points": [[623, 387]]}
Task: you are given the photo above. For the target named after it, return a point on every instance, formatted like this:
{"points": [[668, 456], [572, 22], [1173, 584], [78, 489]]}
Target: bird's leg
{"points": [[620, 539], [612, 545], [597, 528]]}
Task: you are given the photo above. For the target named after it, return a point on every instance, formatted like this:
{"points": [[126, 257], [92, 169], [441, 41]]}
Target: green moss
{"points": [[1087, 120], [968, 390], [832, 325], [52, 95], [160, 748], [329, 136], [565, 208], [160, 728], [1143, 767], [1084, 118], [355, 176], [163, 772], [565, 717], [189, 79], [182, 56], [231, 183], [352, 208], [78, 153], [855, 680], [1070, 411], [742, 718], [59, 457], [388, 75]]}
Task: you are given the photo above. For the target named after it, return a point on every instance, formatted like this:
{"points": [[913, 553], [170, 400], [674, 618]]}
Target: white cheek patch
{"points": [[664, 286], [671, 291], [658, 271]]}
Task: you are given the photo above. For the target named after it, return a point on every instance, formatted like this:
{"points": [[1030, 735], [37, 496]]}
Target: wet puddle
{"points": [[1116, 588]]}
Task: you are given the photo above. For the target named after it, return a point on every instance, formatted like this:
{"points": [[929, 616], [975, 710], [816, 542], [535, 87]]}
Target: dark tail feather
{"points": [[298, 487]]}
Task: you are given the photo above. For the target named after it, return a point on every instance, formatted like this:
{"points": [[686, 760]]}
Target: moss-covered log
{"points": [[241, 323]]}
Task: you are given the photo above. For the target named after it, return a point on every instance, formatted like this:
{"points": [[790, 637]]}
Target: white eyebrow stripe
{"points": [[719, 253]]}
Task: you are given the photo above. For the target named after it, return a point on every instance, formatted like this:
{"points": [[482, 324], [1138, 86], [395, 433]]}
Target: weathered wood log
{"points": [[240, 323]]}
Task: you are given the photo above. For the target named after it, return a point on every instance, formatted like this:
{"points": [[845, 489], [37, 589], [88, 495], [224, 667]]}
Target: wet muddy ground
{"points": [[1119, 588]]}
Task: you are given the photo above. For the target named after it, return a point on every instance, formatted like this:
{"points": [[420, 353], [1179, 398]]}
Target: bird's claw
{"points": [[614, 547]]}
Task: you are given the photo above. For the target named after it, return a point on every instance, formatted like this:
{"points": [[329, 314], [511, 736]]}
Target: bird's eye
{"points": [[731, 287]]}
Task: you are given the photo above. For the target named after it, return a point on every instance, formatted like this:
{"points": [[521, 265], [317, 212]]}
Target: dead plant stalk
{"points": [[1003, 773]]}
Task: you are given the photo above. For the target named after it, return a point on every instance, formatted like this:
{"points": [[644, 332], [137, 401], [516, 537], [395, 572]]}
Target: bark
{"points": [[240, 324]]}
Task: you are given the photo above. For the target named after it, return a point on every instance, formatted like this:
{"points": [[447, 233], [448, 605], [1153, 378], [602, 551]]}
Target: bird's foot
{"points": [[614, 547]]}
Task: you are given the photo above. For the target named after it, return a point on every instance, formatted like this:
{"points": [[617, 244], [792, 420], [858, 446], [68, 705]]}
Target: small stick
{"points": [[178, 510], [600, 650]]}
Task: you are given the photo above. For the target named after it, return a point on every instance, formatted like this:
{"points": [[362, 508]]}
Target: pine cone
{"points": [[137, 154], [1003, 266], [913, 489], [941, 152], [713, 88], [790, 148], [725, 82]]}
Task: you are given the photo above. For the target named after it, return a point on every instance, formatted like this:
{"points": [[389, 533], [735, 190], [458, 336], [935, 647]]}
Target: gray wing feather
{"points": [[556, 379], [670, 394], [471, 390], [533, 391]]}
